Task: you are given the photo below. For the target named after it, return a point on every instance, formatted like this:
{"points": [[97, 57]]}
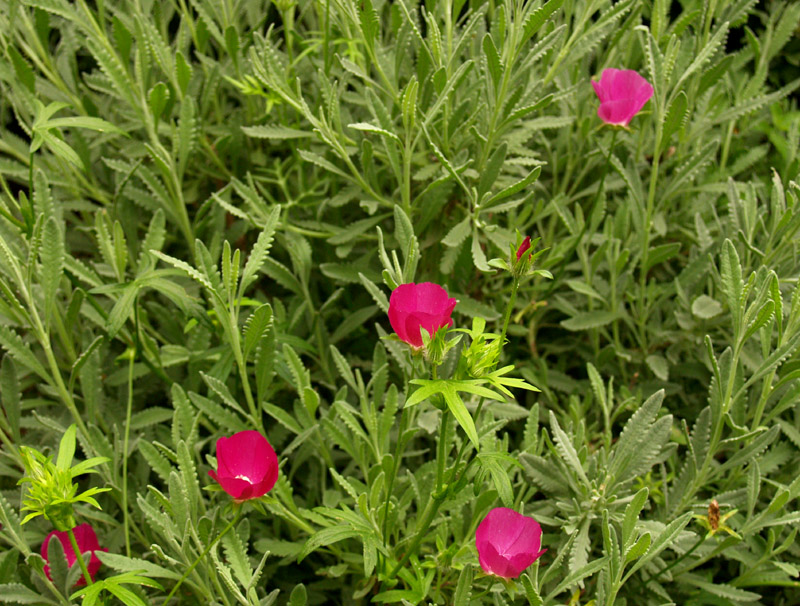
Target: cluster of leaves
{"points": [[204, 205]]}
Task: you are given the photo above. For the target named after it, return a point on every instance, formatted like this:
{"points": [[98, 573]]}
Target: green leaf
{"points": [[183, 71], [492, 59], [84, 122], [727, 592], [458, 233], [371, 128], [492, 169], [157, 100], [578, 576], [16, 593], [658, 254], [460, 413], [464, 586], [236, 555], [705, 308], [10, 394], [52, 256], [632, 512], [589, 319], [275, 131], [490, 462], [664, 539], [256, 326], [66, 448], [659, 366], [628, 450], [675, 118], [639, 548], [22, 69], [327, 536], [21, 352], [125, 564], [732, 284], [298, 597], [538, 17], [566, 450]]}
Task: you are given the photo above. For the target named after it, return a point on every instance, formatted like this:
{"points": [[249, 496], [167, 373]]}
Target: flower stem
{"points": [[204, 554], [79, 556], [432, 508], [126, 439], [507, 317]]}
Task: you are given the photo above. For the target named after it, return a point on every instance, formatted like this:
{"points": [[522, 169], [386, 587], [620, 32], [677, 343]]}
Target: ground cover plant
{"points": [[441, 302]]}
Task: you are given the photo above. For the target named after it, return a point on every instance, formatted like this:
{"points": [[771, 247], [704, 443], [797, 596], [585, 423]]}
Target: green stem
{"points": [[126, 439], [79, 557], [437, 498], [507, 316], [204, 554], [390, 486]]}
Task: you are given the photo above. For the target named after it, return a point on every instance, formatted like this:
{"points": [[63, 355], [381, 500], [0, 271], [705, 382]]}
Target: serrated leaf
{"points": [[566, 450], [538, 17], [327, 536], [371, 128], [52, 256], [17, 593], [275, 131], [675, 118]]}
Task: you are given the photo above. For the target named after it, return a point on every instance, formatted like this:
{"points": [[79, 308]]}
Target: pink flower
{"points": [[86, 540], [507, 542], [524, 247], [622, 93], [414, 306], [247, 466]]}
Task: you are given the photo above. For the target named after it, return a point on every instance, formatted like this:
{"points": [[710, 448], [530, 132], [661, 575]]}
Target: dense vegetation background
{"points": [[205, 205]]}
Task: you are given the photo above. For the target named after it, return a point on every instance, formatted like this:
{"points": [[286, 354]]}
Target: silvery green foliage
{"points": [[205, 205]]}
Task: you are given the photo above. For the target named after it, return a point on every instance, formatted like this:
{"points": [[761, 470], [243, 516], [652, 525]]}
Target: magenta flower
{"points": [[86, 540], [622, 93], [414, 306], [247, 466], [508, 542], [524, 247]]}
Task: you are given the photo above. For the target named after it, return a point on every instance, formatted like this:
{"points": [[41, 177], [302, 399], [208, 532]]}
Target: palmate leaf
{"points": [[449, 390]]}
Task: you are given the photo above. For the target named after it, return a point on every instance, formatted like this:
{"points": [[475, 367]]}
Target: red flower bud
{"points": [[524, 247]]}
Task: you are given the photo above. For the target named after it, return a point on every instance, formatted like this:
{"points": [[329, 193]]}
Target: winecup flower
{"points": [[86, 539], [508, 542], [622, 93], [414, 306], [247, 466]]}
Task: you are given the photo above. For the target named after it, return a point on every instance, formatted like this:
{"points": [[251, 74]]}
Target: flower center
{"points": [[244, 477]]}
